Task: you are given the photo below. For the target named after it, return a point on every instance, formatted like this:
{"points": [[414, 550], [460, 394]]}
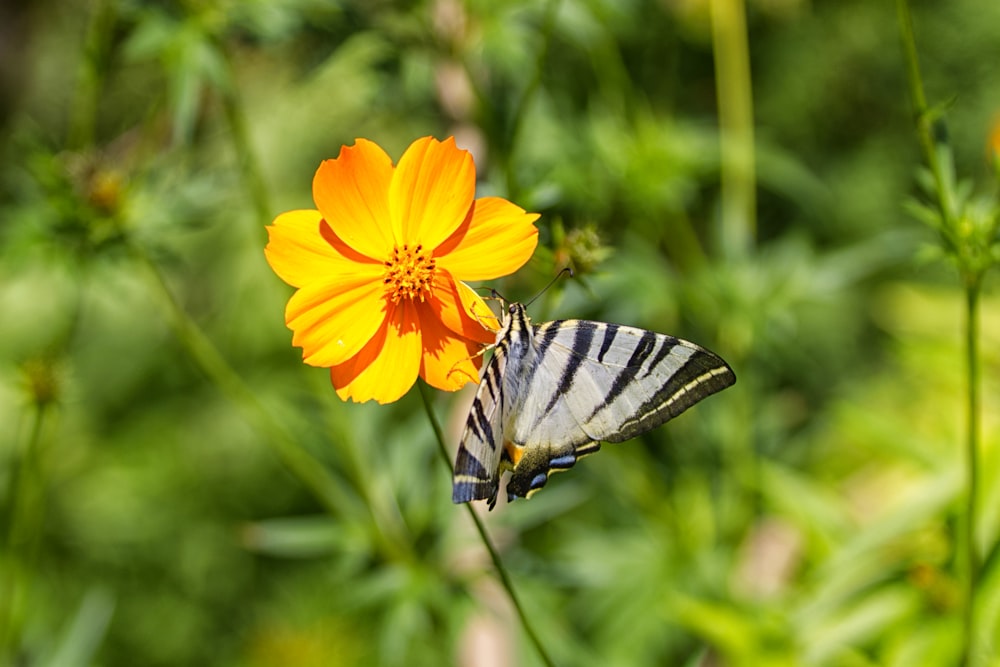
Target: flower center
{"points": [[408, 273]]}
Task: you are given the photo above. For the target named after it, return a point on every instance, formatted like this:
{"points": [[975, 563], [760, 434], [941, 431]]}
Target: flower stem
{"points": [[494, 554], [236, 118], [327, 488], [296, 459], [22, 539], [971, 272], [548, 23], [90, 74], [922, 116], [972, 469], [735, 100]]}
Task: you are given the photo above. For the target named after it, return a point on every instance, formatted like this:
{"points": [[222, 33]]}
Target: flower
{"points": [[379, 267]]}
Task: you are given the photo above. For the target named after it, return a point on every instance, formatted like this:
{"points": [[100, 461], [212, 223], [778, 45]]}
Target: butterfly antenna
{"points": [[551, 283]]}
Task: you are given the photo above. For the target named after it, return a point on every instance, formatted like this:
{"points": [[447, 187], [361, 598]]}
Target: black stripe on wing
{"points": [[467, 465], [478, 425], [583, 339], [701, 375], [477, 474], [627, 374], [472, 481], [543, 341], [668, 344], [610, 333], [463, 491]]}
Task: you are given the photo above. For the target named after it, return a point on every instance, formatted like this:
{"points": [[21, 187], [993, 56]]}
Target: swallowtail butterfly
{"points": [[552, 392]]}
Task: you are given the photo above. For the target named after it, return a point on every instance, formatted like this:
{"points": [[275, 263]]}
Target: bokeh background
{"points": [[177, 488]]}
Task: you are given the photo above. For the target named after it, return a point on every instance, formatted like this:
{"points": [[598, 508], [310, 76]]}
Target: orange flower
{"points": [[378, 268]]}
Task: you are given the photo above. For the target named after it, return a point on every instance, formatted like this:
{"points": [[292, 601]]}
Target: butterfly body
{"points": [[551, 393]]}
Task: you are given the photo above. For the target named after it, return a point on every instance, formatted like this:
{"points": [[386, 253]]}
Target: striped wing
{"points": [[596, 381], [477, 466], [550, 395]]}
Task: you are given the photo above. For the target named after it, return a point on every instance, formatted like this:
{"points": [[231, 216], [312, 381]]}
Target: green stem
{"points": [[23, 533], [391, 532], [381, 504], [89, 81], [517, 116], [922, 115], [967, 552], [989, 561], [232, 105], [972, 468], [679, 241], [738, 230], [494, 554], [735, 98], [297, 460]]}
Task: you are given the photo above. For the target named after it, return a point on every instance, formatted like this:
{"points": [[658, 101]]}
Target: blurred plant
{"points": [[70, 217], [581, 248], [968, 232], [24, 509], [192, 51], [993, 147], [131, 187], [736, 126]]}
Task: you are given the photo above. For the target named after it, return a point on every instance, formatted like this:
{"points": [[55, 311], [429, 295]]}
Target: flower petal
{"points": [[431, 192], [449, 362], [497, 239], [387, 366], [352, 193], [332, 318], [301, 248], [461, 310]]}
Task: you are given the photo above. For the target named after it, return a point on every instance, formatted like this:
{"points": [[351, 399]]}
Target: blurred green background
{"points": [[151, 508]]}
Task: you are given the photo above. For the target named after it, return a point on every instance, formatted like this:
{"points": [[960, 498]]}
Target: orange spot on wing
{"points": [[513, 451]]}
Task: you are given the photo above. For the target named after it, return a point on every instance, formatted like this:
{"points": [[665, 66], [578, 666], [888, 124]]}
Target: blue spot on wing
{"points": [[563, 462]]}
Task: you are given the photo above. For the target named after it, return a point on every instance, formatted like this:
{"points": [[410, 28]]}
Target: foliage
{"points": [[177, 488]]}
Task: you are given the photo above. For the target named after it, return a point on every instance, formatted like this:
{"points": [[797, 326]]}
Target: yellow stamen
{"points": [[408, 273]]}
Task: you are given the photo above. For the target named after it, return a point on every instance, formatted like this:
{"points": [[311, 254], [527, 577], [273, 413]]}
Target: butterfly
{"points": [[552, 392]]}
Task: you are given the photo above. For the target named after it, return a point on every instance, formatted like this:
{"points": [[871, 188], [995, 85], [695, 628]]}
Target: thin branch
{"points": [[494, 554]]}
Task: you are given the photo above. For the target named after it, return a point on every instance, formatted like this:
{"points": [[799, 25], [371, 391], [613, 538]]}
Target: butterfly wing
{"points": [[592, 381], [484, 451], [477, 465]]}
